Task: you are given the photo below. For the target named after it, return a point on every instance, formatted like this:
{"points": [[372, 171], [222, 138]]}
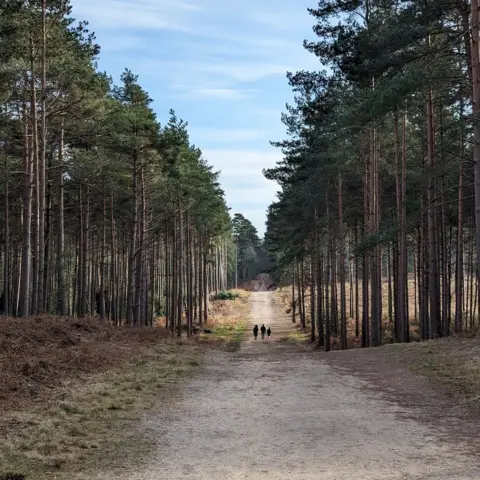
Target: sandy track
{"points": [[271, 412]]}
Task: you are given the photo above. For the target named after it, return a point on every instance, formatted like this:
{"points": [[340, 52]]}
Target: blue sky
{"points": [[221, 66]]}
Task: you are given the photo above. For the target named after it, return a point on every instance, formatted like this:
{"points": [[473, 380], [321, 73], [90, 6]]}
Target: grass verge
{"points": [[230, 336], [295, 338], [91, 423], [73, 392], [453, 364], [440, 376]]}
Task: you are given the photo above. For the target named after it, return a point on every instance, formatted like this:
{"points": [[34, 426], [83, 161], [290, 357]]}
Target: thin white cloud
{"points": [[214, 70], [142, 14], [242, 162], [208, 93], [126, 44], [241, 71], [230, 44], [250, 196], [223, 135], [275, 18]]}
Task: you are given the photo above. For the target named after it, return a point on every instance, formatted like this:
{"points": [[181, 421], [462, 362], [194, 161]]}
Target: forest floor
{"points": [[275, 409], [72, 391]]}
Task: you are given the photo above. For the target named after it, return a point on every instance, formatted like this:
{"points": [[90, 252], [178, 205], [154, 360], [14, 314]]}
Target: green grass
{"points": [[295, 337], [231, 336]]}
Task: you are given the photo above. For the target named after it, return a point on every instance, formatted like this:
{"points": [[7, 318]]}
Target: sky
{"points": [[221, 65]]}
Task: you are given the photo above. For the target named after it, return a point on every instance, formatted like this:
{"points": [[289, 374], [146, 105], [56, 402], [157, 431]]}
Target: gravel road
{"points": [[270, 412]]}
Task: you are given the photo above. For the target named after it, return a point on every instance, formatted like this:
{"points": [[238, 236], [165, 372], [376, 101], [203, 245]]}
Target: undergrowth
{"points": [[73, 392], [295, 337], [227, 295], [86, 422]]}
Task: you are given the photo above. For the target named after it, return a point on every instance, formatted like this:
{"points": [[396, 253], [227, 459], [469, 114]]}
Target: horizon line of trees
{"points": [[251, 257]]}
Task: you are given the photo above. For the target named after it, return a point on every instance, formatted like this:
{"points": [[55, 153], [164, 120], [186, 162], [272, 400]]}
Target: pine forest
{"points": [[104, 211], [374, 227]]}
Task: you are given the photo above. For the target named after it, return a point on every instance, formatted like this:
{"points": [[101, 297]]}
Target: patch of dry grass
{"points": [[452, 363], [72, 392], [39, 354], [227, 322], [92, 421], [449, 365], [296, 337], [439, 378]]}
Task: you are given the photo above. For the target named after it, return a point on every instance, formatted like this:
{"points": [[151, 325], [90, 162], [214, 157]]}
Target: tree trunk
{"points": [[475, 52], [319, 272], [459, 280], [25, 276], [357, 293], [133, 244], [293, 293], [341, 241], [138, 307], [60, 234], [401, 274], [102, 258], [312, 296], [366, 255], [36, 183], [403, 229], [205, 284], [46, 297], [6, 253], [328, 282], [375, 257], [113, 267], [434, 290], [41, 165]]}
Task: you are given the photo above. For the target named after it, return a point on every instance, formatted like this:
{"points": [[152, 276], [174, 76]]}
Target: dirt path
{"points": [[272, 412]]}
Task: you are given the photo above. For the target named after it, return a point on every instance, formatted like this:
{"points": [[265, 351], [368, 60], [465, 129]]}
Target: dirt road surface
{"points": [[271, 412]]}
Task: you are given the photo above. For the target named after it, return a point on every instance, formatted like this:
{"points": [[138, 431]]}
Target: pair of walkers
{"points": [[263, 330]]}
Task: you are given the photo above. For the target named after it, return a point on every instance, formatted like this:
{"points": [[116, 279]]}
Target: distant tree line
{"points": [[250, 253]]}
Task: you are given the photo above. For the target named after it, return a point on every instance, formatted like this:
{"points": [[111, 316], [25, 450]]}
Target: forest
{"points": [[374, 227], [129, 289], [105, 212]]}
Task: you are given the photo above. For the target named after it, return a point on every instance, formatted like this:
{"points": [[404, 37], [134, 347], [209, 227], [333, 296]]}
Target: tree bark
{"points": [[475, 53], [41, 165], [341, 241], [25, 276], [60, 233], [434, 285]]}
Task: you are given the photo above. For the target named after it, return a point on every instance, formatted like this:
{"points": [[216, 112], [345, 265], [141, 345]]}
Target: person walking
{"points": [[263, 330], [255, 332], [269, 332]]}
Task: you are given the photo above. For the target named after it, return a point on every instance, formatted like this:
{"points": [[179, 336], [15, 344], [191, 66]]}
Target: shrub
{"points": [[224, 295]]}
